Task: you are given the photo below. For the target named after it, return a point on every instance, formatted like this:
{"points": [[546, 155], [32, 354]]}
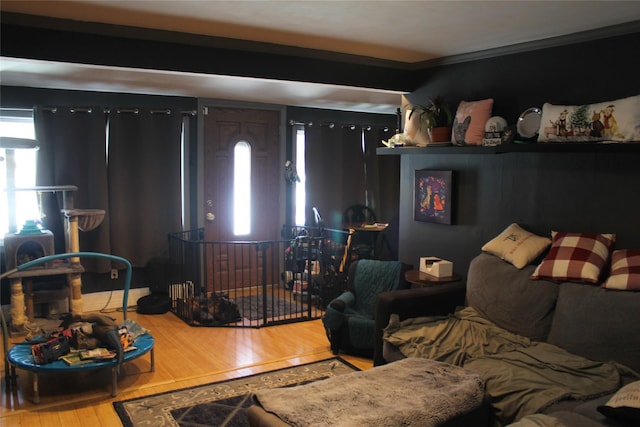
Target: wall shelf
{"points": [[399, 151], [631, 147]]}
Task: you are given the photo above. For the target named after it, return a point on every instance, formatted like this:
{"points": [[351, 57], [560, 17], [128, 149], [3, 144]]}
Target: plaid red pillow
{"points": [[575, 257], [625, 270]]}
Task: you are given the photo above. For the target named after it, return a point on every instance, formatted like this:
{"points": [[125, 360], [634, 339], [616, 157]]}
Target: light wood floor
{"points": [[185, 356]]}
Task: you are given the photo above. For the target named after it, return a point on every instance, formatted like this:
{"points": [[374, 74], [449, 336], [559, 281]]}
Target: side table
{"points": [[418, 279]]}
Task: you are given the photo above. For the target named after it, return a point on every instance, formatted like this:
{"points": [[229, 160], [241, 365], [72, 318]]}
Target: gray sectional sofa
{"points": [[558, 350]]}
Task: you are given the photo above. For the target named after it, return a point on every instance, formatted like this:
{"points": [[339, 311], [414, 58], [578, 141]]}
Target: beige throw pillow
{"points": [[517, 246]]}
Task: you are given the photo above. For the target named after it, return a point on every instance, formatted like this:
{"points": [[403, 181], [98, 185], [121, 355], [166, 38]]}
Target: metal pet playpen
{"points": [[256, 283]]}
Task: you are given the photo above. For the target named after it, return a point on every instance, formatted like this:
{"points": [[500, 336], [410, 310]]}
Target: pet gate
{"points": [[256, 283]]}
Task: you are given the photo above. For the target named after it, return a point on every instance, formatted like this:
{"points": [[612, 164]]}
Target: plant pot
{"points": [[440, 134]]}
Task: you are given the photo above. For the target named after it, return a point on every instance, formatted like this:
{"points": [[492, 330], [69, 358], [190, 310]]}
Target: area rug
{"points": [[253, 308], [224, 403]]}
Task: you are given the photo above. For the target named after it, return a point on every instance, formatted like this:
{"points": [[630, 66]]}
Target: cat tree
{"points": [[22, 294]]}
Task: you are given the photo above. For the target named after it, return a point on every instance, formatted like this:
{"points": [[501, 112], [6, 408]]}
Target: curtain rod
{"points": [[332, 125], [129, 110]]}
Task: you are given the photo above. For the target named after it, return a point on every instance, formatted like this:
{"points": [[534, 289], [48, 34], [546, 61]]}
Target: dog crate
{"points": [[254, 283]]}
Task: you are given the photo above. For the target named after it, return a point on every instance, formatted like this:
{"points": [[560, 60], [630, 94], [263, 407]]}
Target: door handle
{"points": [[209, 216]]}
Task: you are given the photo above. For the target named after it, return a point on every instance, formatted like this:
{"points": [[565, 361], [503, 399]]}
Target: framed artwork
{"points": [[433, 196]]}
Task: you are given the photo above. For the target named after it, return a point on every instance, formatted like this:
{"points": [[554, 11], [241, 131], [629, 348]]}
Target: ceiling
{"points": [[408, 32]]}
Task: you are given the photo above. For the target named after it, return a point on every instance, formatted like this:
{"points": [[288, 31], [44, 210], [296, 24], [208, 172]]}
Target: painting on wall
{"points": [[432, 196]]}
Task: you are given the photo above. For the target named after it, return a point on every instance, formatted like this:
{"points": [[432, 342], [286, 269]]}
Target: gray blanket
{"points": [[522, 376], [410, 392]]}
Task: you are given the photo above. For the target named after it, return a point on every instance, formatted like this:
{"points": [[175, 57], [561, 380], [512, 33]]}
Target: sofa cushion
{"points": [[517, 245], [575, 257], [506, 296], [555, 419], [625, 270], [597, 323], [589, 408]]}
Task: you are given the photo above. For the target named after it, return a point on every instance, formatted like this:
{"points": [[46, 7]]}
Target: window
{"points": [[300, 194], [242, 189], [17, 169]]}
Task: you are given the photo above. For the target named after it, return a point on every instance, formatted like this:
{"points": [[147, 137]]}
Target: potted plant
{"points": [[435, 118]]}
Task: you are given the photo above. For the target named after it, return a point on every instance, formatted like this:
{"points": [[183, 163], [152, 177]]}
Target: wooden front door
{"points": [[224, 129]]}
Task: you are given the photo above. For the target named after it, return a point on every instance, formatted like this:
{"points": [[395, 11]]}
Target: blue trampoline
{"points": [[20, 355]]}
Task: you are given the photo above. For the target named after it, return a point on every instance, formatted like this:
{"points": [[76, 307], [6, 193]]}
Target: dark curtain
{"points": [[72, 152], [144, 183], [382, 175], [335, 171]]}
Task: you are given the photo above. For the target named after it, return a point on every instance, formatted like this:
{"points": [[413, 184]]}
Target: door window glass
{"points": [[242, 189]]}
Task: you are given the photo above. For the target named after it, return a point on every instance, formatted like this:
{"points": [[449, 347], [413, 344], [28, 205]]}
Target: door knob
{"points": [[210, 216]]}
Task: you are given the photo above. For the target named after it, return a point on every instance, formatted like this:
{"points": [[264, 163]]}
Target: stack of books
{"points": [[87, 356]]}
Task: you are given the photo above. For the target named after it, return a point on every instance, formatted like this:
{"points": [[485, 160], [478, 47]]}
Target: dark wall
{"points": [[588, 72], [590, 192], [575, 191]]}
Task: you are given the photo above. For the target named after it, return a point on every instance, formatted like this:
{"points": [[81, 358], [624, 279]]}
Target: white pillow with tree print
{"points": [[617, 120]]}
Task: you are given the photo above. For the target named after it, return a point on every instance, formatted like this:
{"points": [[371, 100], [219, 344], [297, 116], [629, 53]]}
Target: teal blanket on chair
{"points": [[371, 278]]}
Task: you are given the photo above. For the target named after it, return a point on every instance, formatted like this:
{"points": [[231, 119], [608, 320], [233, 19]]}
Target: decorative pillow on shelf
{"points": [[624, 404], [517, 246], [625, 270], [469, 121], [617, 120], [575, 257]]}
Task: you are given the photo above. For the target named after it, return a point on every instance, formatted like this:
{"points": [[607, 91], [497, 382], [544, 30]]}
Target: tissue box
{"points": [[436, 267]]}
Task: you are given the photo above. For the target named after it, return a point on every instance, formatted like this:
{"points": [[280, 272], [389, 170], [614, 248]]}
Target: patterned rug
{"points": [[224, 403]]}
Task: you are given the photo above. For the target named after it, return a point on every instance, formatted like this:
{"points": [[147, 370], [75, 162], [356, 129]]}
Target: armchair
{"points": [[350, 318]]}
